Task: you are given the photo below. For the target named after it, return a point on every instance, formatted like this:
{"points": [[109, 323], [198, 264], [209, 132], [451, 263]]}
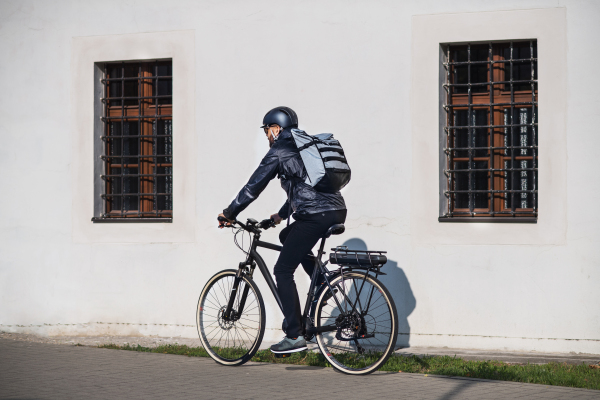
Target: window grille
{"points": [[137, 141], [490, 135]]}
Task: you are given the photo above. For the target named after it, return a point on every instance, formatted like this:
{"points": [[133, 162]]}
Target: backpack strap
{"points": [[304, 146], [334, 158]]}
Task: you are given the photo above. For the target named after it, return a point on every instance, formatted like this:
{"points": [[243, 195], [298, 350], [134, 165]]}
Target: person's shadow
{"points": [[395, 281]]}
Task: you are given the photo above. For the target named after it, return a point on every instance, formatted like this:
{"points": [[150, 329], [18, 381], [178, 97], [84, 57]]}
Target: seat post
{"points": [[321, 252]]}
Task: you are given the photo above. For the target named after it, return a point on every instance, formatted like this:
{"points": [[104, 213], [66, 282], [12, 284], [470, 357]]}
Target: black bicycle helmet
{"points": [[285, 117]]}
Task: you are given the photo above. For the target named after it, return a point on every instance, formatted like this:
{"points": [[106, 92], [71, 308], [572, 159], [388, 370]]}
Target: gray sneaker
{"points": [[289, 345]]}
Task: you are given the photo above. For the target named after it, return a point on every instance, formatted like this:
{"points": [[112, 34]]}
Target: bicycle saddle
{"points": [[336, 229]]}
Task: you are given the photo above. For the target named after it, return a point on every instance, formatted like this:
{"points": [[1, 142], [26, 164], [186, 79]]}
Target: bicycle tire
{"points": [[230, 342], [343, 353]]}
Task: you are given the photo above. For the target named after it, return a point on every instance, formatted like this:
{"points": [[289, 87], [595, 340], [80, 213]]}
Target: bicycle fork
{"points": [[227, 314]]}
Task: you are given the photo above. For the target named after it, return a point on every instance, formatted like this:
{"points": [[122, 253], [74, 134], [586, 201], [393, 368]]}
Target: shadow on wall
{"points": [[398, 285]]}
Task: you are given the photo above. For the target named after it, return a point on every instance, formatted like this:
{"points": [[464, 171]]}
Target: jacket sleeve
{"points": [[259, 180], [284, 210]]}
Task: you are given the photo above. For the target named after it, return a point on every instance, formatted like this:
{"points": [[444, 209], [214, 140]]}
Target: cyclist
{"points": [[314, 213]]}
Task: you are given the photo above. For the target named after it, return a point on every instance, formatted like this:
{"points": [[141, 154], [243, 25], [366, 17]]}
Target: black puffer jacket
{"points": [[283, 160]]}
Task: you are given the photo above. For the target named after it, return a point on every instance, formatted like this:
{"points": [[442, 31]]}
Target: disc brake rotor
{"points": [[226, 324]]}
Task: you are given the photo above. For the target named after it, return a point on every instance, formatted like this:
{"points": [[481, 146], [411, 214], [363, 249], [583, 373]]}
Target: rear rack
{"points": [[357, 258]]}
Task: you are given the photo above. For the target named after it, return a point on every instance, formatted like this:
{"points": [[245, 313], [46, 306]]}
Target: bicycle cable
{"points": [[235, 240]]}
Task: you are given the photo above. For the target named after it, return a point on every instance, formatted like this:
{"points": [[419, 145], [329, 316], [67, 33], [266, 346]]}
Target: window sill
{"points": [[512, 220], [134, 220]]}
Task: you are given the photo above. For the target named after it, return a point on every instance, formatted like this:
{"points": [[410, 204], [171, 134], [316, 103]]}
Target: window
{"points": [[489, 143], [137, 161]]}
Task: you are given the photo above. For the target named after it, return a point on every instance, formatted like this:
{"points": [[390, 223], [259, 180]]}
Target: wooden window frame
{"points": [[495, 102], [150, 110]]}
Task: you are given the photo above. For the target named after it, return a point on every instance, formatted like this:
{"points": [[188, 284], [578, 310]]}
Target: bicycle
{"points": [[351, 315]]}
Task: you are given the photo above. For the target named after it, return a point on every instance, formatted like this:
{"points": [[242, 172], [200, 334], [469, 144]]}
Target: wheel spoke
{"points": [[354, 354], [232, 341], [214, 297]]}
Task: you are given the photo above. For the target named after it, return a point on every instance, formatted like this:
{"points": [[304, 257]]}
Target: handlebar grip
{"points": [[224, 222], [267, 223]]}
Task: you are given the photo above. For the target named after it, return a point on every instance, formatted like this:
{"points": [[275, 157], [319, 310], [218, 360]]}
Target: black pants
{"points": [[298, 239]]}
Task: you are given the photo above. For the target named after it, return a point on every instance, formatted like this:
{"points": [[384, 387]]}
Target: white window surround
{"points": [[548, 26], [86, 51]]}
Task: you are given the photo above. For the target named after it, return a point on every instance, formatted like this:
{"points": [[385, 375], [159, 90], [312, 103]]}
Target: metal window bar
{"points": [[490, 130], [487, 62], [485, 126], [164, 96], [483, 105], [139, 139], [512, 128], [533, 119], [106, 148], [119, 117], [154, 132], [449, 141], [124, 200], [469, 129], [500, 100], [121, 169], [150, 78]]}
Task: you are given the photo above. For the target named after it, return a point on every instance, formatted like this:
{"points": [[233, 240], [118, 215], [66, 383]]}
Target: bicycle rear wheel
{"points": [[235, 340], [366, 323]]}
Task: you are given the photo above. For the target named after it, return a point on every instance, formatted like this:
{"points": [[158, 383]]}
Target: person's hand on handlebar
{"points": [[224, 222], [276, 218]]}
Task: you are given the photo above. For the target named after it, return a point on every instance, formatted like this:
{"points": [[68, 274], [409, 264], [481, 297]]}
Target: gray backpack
{"points": [[324, 160]]}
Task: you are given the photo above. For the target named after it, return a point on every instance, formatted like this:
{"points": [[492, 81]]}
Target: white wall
{"points": [[344, 67]]}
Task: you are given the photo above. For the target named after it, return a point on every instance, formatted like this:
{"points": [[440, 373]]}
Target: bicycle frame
{"points": [[254, 259]]}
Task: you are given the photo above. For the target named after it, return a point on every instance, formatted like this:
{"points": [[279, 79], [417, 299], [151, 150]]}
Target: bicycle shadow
{"points": [[314, 368], [396, 282]]}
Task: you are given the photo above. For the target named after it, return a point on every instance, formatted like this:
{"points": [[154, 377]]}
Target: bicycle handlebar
{"points": [[251, 225]]}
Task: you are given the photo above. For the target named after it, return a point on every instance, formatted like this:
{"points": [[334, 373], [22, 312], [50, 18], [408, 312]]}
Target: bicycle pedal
{"points": [[284, 355]]}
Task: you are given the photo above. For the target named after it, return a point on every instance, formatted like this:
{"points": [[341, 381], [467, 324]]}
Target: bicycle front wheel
{"points": [[365, 320], [234, 340]]}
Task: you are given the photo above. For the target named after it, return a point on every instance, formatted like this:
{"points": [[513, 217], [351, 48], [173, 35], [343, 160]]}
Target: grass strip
{"points": [[557, 374]]}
